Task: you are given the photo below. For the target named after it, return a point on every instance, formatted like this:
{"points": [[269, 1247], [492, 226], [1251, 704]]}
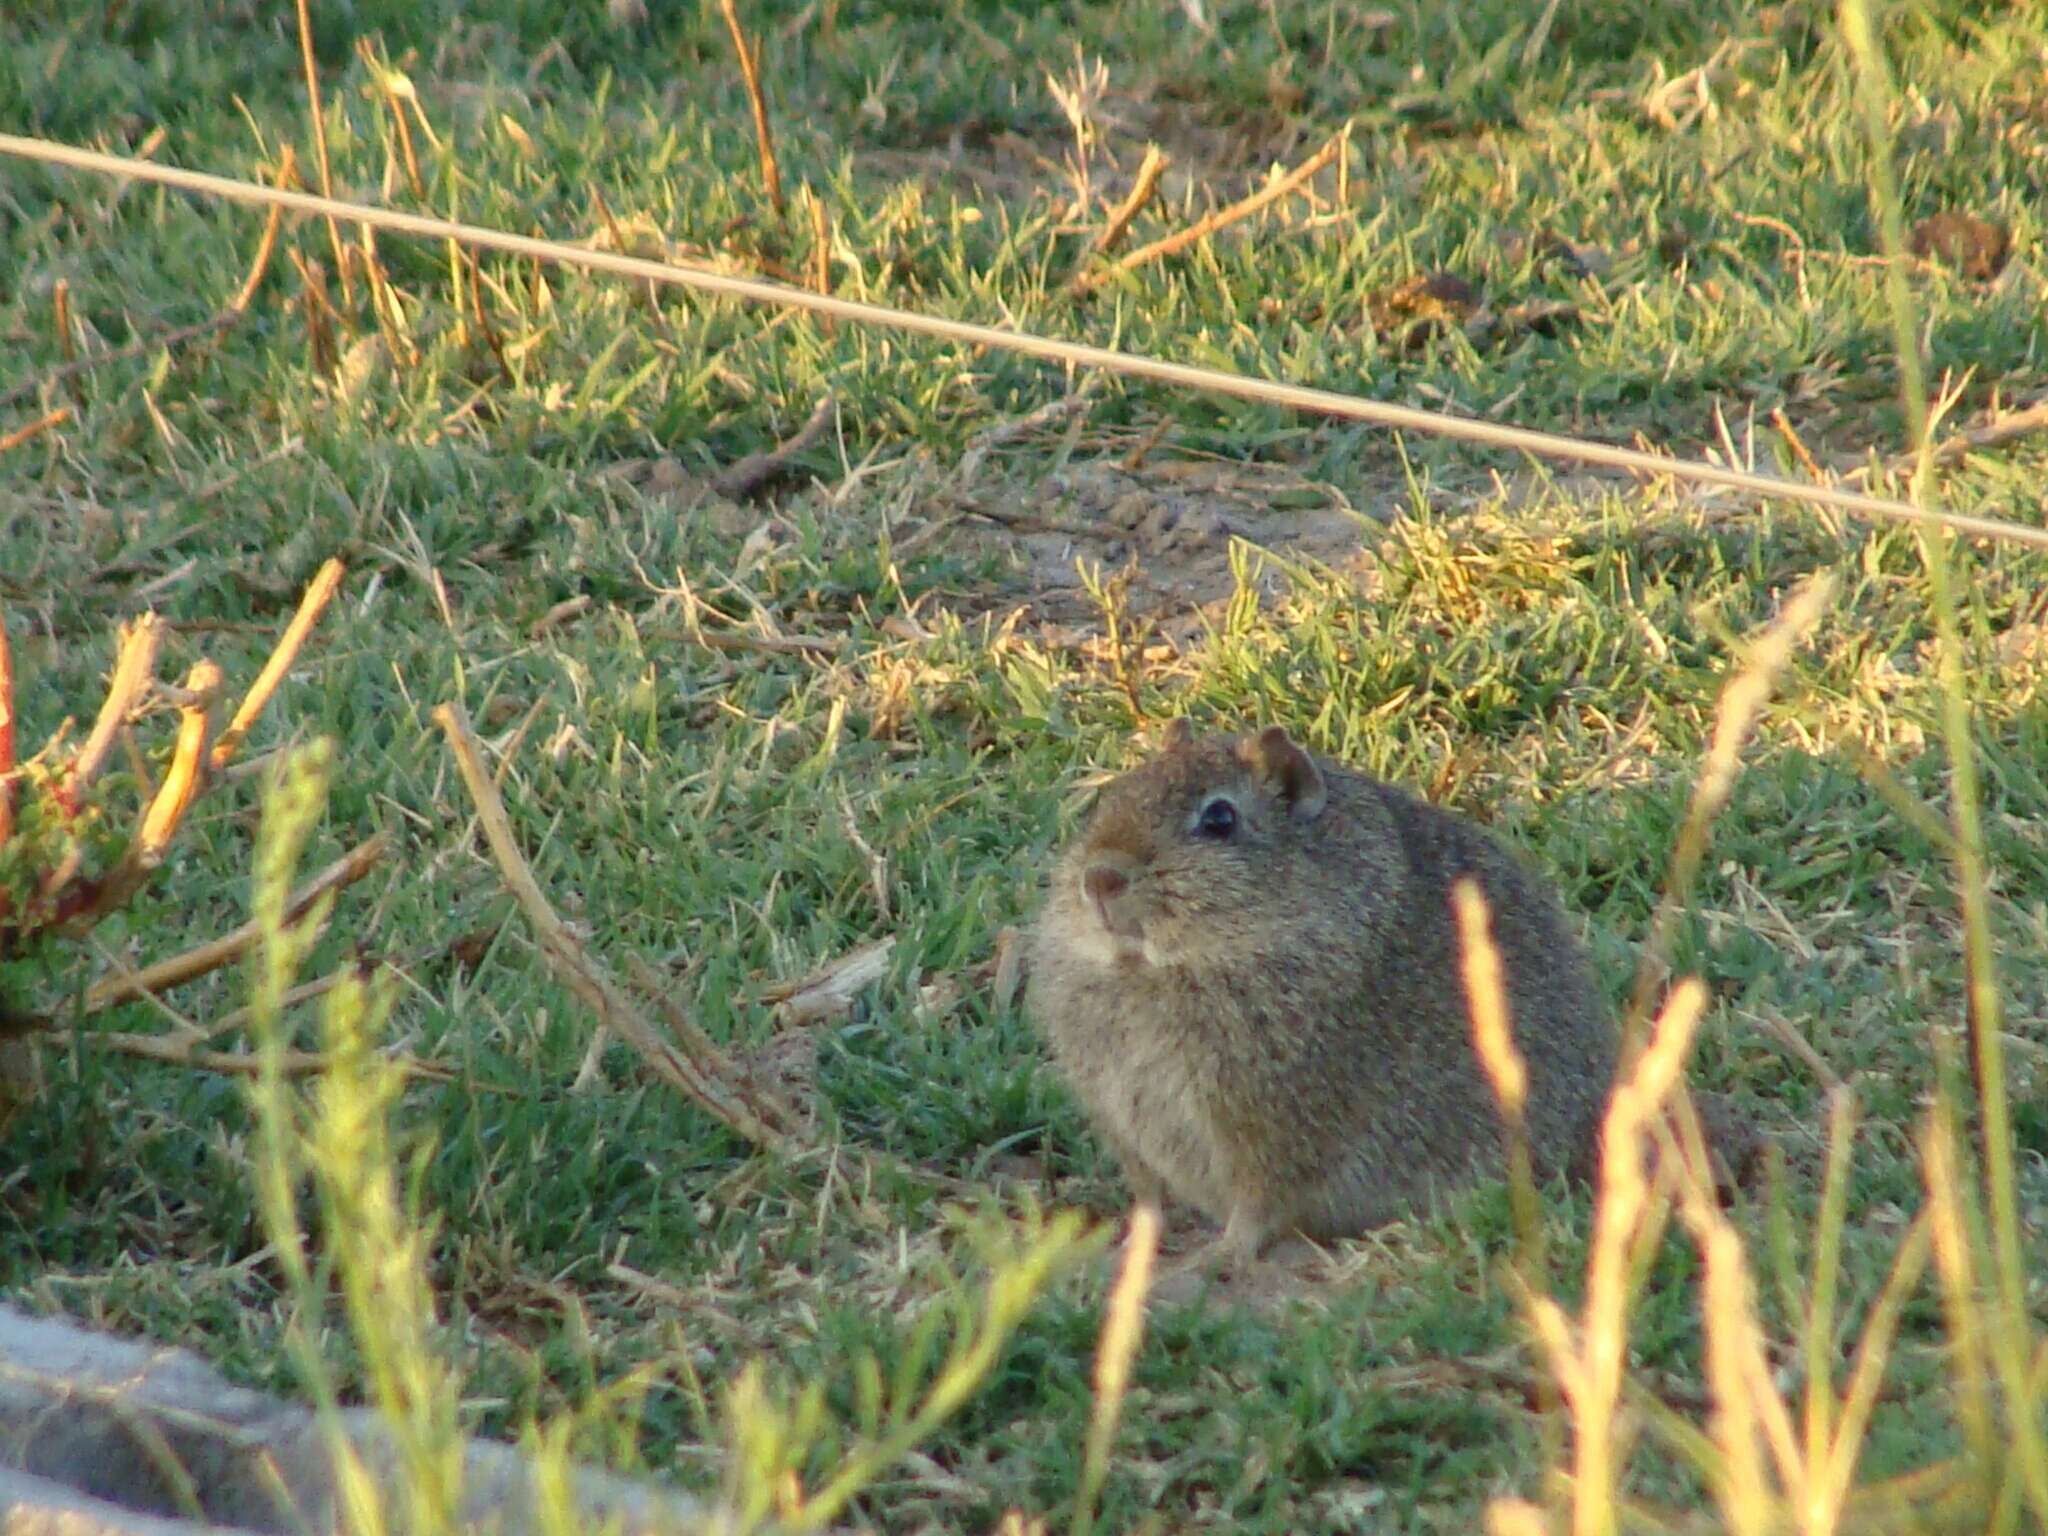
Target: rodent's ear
{"points": [[1176, 734], [1285, 771]]}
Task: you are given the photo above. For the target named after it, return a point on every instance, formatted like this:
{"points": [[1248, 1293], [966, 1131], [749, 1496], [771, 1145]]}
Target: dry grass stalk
{"points": [[561, 613], [829, 991], [61, 321], [1741, 703], [178, 1051], [1493, 1038], [484, 324], [750, 72], [1640, 461], [1588, 1357], [1955, 1263], [1012, 429], [6, 733], [821, 254], [1995, 431], [1222, 218], [320, 141], [693, 1064], [134, 667], [2010, 1314], [768, 645], [322, 320], [326, 582], [388, 86], [181, 783]]}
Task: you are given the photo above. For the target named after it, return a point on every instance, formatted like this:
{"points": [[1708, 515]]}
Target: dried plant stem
{"points": [[1493, 1038], [1742, 701], [1655, 467], [317, 596], [821, 251], [1588, 1359], [134, 666], [182, 781], [179, 1051], [1123, 1325], [193, 963], [1203, 228], [750, 72], [757, 470], [1955, 1248], [698, 1069], [29, 431], [320, 141], [1995, 431], [1143, 186]]}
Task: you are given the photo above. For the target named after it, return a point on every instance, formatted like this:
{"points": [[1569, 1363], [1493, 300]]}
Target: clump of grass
{"points": [[1768, 1466], [374, 1243]]}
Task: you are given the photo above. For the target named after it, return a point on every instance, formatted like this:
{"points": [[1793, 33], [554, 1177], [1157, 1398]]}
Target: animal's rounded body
{"points": [[1248, 970]]}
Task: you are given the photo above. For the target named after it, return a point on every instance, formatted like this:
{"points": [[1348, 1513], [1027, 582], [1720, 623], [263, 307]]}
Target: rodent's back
{"points": [[1556, 1014], [1282, 1010]]}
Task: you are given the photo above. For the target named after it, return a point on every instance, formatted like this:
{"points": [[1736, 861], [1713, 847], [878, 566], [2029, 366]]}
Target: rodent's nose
{"points": [[1102, 883]]}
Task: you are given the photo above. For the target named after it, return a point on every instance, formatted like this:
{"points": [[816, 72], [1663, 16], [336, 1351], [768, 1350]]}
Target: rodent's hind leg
{"points": [[1247, 1233]]}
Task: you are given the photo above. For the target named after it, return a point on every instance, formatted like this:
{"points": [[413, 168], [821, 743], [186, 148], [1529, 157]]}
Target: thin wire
{"points": [[754, 290]]}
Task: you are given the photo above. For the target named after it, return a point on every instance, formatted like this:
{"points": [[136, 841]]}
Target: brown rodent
{"points": [[1249, 971]]}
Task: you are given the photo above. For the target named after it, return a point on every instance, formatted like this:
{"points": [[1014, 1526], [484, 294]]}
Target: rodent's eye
{"points": [[1218, 819]]}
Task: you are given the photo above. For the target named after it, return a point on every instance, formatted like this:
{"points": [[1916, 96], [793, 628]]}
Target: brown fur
{"points": [[1272, 1025]]}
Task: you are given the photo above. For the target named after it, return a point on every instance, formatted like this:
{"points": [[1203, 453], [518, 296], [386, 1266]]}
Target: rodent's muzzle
{"points": [[1106, 881]]}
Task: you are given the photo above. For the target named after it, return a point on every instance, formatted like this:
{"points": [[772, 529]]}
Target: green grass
{"points": [[1545, 660]]}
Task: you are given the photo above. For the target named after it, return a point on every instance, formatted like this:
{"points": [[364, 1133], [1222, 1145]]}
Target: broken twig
{"points": [[34, 429], [193, 963], [694, 1064], [1150, 169], [757, 471], [1201, 229]]}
